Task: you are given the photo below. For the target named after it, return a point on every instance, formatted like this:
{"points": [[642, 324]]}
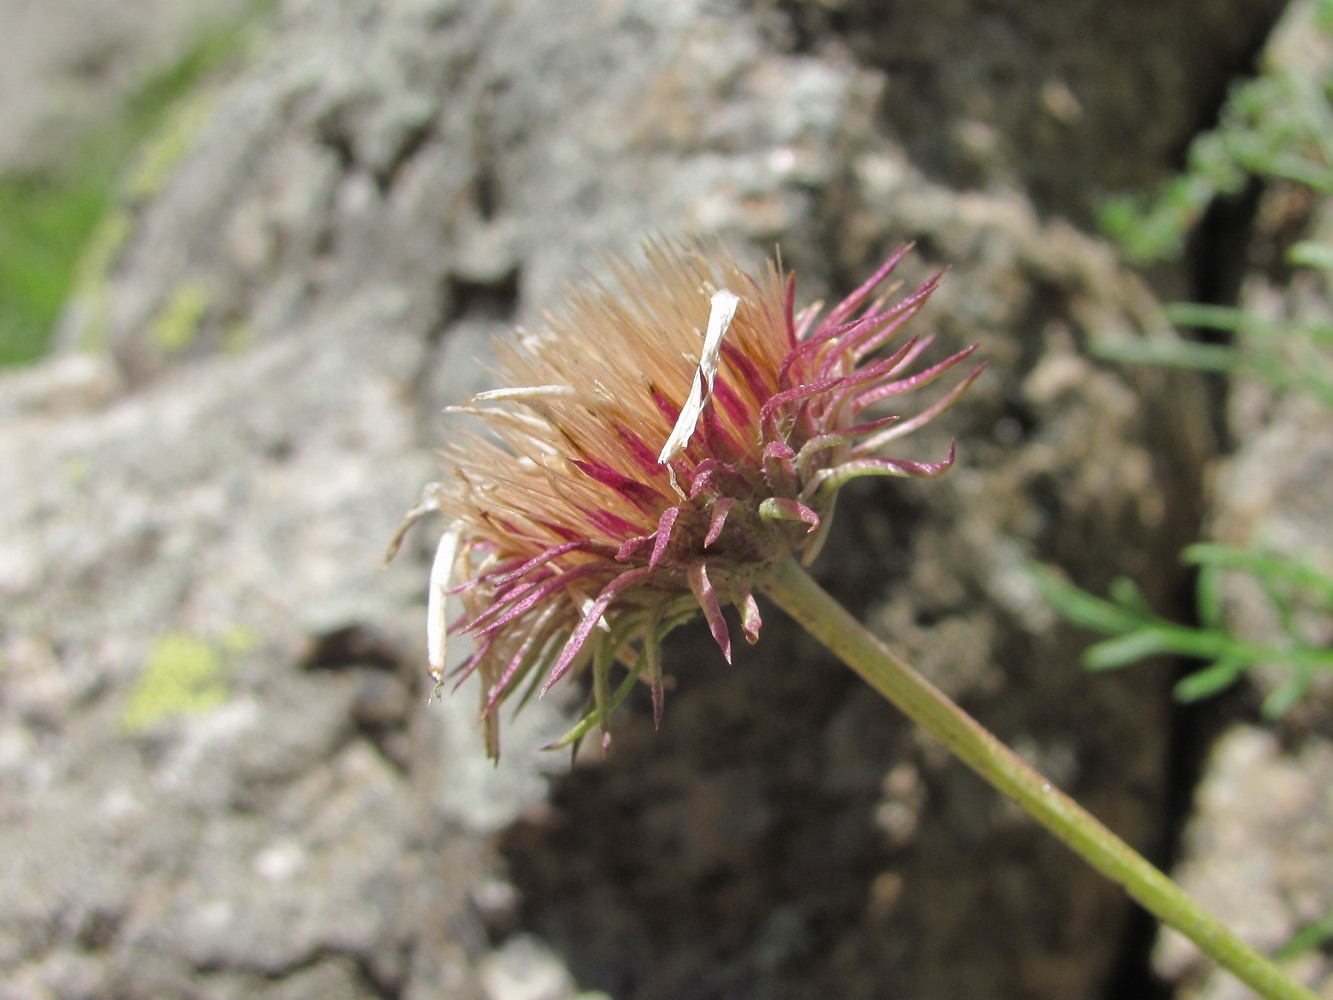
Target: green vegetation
{"points": [[1310, 938], [1277, 128], [1290, 355], [43, 224], [1279, 125], [1297, 594], [46, 221]]}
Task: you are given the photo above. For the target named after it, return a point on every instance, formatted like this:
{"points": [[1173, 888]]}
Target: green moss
{"points": [[43, 225], [52, 240], [184, 675]]}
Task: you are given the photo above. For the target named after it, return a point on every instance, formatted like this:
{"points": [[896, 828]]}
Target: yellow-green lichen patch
{"points": [[176, 326], [88, 309], [184, 675], [160, 154], [77, 468], [238, 639]]}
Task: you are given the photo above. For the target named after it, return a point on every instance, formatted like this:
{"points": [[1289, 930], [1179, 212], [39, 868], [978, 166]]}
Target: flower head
{"points": [[656, 451]]}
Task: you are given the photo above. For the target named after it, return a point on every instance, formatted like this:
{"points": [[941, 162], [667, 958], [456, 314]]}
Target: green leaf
{"points": [[1126, 593], [1210, 681], [1284, 697], [1205, 317], [1077, 605], [1168, 353], [1126, 649], [1309, 938], [598, 714], [1208, 597], [1267, 566]]}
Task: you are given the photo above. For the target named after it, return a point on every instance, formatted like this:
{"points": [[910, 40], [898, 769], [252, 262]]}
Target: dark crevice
{"points": [[370, 981], [380, 987], [413, 142], [1131, 977], [353, 645], [335, 137], [808, 26], [443, 316], [485, 156], [462, 298], [1246, 65], [486, 300], [99, 930], [1218, 258], [494, 299], [390, 686]]}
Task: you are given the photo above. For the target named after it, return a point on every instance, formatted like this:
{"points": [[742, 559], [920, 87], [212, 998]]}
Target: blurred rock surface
{"points": [[70, 64], [389, 184]]}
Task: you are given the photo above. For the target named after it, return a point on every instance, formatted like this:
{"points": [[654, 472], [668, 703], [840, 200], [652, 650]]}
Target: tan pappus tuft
{"points": [[660, 443]]}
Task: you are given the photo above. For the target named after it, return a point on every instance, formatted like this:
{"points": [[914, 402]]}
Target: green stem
{"points": [[793, 590]]}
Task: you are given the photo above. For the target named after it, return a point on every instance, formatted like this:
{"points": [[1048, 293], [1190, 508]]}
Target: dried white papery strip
{"points": [[723, 309], [437, 625]]}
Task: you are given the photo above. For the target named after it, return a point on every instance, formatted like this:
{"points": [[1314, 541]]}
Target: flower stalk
{"points": [[796, 593]]}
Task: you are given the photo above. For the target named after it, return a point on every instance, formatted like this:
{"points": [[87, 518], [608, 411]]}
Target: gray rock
{"points": [[1257, 855], [69, 65], [219, 778], [268, 833]]}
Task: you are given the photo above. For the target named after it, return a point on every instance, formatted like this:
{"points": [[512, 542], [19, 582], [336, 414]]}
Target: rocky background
{"points": [[218, 775]]}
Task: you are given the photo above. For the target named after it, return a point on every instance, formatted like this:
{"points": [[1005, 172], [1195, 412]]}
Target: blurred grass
{"points": [[46, 219], [1276, 129], [1278, 126]]}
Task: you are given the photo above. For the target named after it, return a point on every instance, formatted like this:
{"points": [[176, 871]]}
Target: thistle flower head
{"points": [[656, 450]]}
